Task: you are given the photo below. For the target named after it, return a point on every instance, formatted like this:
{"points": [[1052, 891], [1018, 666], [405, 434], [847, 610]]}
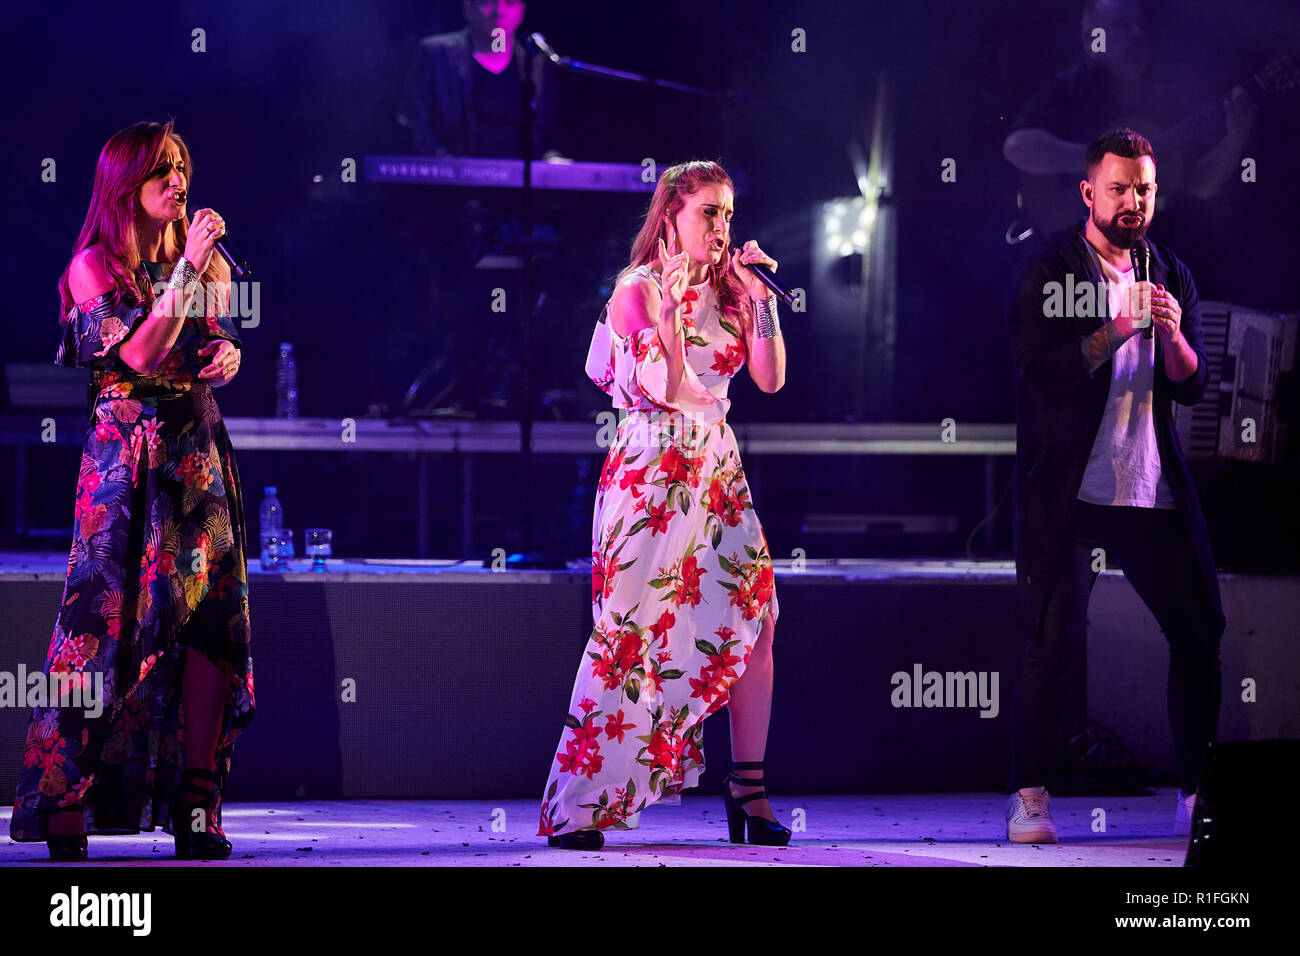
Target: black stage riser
{"points": [[462, 686]]}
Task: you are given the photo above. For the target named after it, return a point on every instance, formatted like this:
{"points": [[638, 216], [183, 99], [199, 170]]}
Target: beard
{"points": [[1118, 234]]}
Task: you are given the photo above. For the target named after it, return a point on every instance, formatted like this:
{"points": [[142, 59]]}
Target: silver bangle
{"points": [[766, 325], [182, 275]]}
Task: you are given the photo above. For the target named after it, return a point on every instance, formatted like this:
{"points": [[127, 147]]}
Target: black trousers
{"points": [[1152, 547]]}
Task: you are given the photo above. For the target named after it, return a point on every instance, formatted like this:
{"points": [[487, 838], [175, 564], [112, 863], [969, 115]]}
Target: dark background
{"points": [[285, 91]]}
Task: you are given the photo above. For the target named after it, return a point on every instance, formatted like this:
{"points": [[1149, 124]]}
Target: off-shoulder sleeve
{"points": [[633, 371], [600, 355], [95, 330]]}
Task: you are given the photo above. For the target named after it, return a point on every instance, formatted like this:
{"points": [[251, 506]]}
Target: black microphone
{"points": [[769, 279], [238, 264], [1140, 255]]}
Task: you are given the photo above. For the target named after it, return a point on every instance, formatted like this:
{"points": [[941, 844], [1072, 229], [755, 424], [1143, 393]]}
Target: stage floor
{"points": [[887, 830]]}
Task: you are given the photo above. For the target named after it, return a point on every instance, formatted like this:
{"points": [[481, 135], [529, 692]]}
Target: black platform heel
{"points": [[70, 848], [210, 843], [762, 832], [578, 840]]}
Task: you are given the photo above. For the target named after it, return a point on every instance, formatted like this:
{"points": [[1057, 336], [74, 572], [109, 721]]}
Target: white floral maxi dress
{"points": [[681, 577]]}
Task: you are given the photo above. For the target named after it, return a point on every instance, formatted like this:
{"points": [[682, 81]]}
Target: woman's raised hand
{"points": [[676, 274], [205, 229]]}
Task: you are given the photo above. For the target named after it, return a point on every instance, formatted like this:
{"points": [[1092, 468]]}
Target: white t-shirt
{"points": [[1124, 465]]}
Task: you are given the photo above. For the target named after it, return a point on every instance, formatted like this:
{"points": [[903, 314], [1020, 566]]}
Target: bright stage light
{"points": [[847, 224]]}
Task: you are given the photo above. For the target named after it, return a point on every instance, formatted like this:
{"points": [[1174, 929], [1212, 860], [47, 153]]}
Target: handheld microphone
{"points": [[238, 264], [769, 279], [1141, 258]]}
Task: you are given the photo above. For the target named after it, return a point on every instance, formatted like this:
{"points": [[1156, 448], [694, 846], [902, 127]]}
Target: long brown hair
{"points": [[677, 183], [125, 164]]}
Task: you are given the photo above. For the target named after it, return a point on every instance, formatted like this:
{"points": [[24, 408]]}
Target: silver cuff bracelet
{"points": [[182, 275], [766, 325]]}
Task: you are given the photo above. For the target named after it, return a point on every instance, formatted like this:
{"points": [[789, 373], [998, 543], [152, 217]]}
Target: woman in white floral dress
{"points": [[683, 595]]}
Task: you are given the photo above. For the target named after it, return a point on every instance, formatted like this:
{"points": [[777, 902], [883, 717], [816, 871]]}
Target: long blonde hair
{"points": [[125, 164], [675, 185]]}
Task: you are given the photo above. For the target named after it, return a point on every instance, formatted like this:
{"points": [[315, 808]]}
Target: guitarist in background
{"points": [[1050, 136]]}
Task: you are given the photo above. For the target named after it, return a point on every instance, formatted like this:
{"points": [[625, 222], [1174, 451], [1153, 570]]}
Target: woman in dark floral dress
{"points": [[155, 609]]}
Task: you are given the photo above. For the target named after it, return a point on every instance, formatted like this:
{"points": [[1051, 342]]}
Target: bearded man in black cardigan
{"points": [[1100, 479]]}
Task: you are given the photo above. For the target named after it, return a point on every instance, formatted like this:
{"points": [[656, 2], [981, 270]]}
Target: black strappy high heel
{"points": [[762, 831], [210, 843], [578, 840], [69, 848]]}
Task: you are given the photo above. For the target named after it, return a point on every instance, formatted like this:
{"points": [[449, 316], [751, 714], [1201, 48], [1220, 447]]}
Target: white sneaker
{"points": [[1029, 816], [1183, 813]]}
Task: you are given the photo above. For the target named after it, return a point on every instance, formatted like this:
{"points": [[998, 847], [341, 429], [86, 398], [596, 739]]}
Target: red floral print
{"points": [[728, 361], [689, 298], [632, 479], [677, 467], [659, 518], [615, 728], [660, 627], [681, 579]]}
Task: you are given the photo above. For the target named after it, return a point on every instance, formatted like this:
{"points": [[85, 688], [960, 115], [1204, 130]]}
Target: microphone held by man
{"points": [[1140, 253]]}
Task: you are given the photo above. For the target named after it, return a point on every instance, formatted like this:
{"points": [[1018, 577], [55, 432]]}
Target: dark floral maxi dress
{"points": [[157, 569], [681, 577]]}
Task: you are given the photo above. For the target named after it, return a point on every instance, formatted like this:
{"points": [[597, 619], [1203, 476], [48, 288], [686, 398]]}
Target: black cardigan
{"points": [[1060, 405]]}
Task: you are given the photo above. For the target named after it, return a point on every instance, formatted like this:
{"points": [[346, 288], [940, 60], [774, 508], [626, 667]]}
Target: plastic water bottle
{"points": [[286, 383], [270, 518]]}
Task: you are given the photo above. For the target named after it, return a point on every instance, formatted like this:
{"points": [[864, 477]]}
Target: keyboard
{"points": [[509, 173]]}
